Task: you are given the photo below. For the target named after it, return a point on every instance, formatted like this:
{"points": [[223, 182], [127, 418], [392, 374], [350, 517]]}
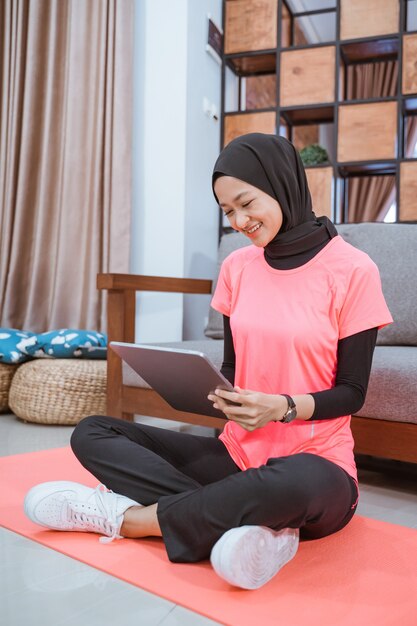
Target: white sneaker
{"points": [[249, 556], [64, 505]]}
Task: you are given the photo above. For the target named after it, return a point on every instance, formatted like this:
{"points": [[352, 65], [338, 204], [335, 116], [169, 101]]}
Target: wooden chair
{"points": [[123, 400]]}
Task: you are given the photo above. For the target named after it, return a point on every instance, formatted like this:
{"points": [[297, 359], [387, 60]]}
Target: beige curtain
{"points": [[410, 135], [371, 197], [372, 80], [367, 195], [65, 158]]}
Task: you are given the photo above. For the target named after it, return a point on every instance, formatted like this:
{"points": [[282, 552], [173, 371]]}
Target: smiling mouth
{"points": [[252, 230]]}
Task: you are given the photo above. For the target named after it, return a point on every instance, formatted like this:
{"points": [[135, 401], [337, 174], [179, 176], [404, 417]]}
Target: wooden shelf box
{"points": [[307, 76], [368, 18], [409, 78], [240, 124], [303, 136], [367, 131], [250, 25], [408, 191], [260, 92], [286, 27], [320, 183], [250, 65]]}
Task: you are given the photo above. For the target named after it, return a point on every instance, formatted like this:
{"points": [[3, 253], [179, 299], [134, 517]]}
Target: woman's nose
{"points": [[241, 220]]}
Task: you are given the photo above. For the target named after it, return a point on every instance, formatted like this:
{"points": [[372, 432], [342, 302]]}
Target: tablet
{"points": [[184, 378]]}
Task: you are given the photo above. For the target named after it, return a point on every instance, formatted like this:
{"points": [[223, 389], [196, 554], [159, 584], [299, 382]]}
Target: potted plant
{"points": [[314, 154]]}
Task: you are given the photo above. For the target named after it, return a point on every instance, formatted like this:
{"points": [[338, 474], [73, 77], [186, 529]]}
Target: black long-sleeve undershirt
{"points": [[354, 360]]}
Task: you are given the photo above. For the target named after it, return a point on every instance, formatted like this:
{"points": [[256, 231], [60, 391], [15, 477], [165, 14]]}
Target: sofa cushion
{"points": [[392, 388], [212, 349], [228, 243], [394, 250]]}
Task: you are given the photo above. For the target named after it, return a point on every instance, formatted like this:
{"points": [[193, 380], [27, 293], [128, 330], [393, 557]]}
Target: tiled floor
{"points": [[41, 586]]}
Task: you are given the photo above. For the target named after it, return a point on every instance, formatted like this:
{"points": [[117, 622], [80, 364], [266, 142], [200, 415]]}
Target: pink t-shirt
{"points": [[286, 325]]}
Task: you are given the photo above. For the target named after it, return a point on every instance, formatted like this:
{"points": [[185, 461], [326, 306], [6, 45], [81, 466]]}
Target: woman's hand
{"points": [[257, 409]]}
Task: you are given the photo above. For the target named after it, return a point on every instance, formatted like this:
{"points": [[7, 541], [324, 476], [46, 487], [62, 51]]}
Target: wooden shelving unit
{"points": [[261, 122], [307, 76], [408, 190], [360, 19], [409, 75], [290, 89], [367, 132]]}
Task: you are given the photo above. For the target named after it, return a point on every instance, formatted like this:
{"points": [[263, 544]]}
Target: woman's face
{"points": [[249, 210]]}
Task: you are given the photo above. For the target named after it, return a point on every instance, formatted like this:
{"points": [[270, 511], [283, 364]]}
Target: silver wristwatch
{"points": [[291, 414]]}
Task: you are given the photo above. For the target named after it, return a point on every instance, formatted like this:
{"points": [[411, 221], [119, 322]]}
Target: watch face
{"points": [[292, 414]]}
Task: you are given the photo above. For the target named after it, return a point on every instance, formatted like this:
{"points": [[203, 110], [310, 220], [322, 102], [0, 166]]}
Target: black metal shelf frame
{"points": [[390, 47]]}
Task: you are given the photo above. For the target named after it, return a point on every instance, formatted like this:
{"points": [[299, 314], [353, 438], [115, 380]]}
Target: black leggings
{"points": [[201, 492]]}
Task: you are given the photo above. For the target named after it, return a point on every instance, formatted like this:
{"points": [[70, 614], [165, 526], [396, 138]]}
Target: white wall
{"points": [[174, 225], [202, 149]]}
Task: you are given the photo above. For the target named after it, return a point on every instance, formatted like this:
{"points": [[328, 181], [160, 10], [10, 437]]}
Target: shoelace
{"points": [[107, 524]]}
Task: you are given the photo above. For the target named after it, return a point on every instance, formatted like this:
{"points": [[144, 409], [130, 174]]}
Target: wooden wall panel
{"points": [[261, 91], [320, 182], [299, 37], [408, 191], [236, 125], [307, 76], [368, 18], [409, 78], [367, 131], [303, 136], [285, 27], [250, 25]]}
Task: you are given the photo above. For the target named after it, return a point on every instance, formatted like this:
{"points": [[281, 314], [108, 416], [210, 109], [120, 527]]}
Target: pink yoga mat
{"points": [[365, 574]]}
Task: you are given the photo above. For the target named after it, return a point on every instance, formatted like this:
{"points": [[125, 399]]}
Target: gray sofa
{"points": [[386, 425]]}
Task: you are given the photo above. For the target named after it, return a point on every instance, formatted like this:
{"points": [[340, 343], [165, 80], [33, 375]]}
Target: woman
{"points": [[301, 309]]}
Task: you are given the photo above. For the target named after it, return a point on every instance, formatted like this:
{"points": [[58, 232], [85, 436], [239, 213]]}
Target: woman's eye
{"points": [[227, 213]]}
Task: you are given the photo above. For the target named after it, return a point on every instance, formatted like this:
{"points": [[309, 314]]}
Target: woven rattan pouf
{"points": [[7, 371], [59, 391]]}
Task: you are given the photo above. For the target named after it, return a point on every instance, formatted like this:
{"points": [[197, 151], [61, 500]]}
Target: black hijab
{"points": [[272, 164]]}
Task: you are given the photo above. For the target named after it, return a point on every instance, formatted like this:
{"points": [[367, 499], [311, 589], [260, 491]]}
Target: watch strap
{"points": [[291, 413], [291, 403]]}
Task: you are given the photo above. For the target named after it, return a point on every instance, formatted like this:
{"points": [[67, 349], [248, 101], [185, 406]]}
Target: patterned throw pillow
{"points": [[68, 343], [13, 345]]}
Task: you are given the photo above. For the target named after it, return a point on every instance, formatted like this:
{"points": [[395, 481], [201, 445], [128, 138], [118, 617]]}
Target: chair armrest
{"points": [[138, 282], [121, 299]]}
